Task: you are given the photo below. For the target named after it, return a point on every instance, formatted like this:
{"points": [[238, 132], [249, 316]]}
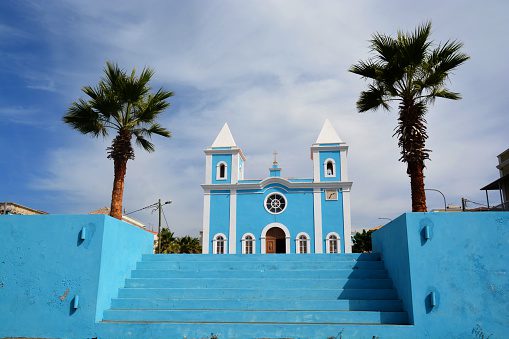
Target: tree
{"points": [[123, 103], [408, 69], [188, 244], [168, 241], [362, 241]]}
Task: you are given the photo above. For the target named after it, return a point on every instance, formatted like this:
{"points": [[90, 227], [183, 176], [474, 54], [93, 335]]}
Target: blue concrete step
{"points": [[277, 290], [260, 283], [246, 264], [278, 317], [263, 257], [267, 274], [266, 304], [255, 293]]}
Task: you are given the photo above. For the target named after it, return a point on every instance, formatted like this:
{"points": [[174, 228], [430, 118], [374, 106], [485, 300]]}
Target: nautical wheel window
{"points": [[275, 203]]}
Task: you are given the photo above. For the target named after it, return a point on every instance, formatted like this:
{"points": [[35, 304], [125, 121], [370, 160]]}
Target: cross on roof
{"points": [[275, 158]]}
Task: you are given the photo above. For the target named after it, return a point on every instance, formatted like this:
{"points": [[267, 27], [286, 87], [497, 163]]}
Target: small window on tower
{"points": [[221, 171], [329, 168]]}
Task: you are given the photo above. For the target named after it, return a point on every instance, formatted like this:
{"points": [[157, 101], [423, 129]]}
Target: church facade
{"points": [[276, 214]]}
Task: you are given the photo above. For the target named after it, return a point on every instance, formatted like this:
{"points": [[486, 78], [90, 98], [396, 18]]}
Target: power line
{"points": [[141, 209], [165, 221]]}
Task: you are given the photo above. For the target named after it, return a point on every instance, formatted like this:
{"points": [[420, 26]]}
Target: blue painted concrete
{"points": [[334, 155], [252, 217], [332, 215], [44, 264], [226, 158], [465, 262]]}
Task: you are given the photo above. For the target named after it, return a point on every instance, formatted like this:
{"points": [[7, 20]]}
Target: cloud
{"points": [[274, 71]]}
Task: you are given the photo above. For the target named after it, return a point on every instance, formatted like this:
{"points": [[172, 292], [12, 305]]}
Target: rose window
{"points": [[275, 203]]}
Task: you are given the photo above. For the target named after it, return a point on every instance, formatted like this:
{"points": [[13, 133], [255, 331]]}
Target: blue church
{"points": [[276, 214]]}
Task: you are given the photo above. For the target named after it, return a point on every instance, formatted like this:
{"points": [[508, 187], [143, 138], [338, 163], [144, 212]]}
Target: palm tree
{"points": [[123, 103], [408, 69], [188, 244]]}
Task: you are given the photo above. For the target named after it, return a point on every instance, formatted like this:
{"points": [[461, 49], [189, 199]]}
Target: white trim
{"points": [[214, 242], [325, 174], [232, 150], [317, 213], [315, 155], [327, 242], [264, 235], [321, 148], [235, 168], [206, 223], [297, 243], [218, 172], [208, 169], [343, 185], [347, 226], [233, 222], [344, 168], [271, 194], [243, 240]]}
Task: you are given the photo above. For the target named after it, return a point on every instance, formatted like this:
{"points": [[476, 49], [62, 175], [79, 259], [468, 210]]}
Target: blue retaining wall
{"points": [[465, 263], [44, 264]]}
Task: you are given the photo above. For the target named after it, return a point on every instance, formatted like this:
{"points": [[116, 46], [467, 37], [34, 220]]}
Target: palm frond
{"points": [[82, 117], [372, 99], [143, 143]]}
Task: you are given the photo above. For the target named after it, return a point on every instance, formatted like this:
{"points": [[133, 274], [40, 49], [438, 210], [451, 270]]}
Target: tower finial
{"points": [[275, 158]]}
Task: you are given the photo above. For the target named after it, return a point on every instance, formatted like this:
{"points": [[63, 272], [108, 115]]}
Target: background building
{"points": [[502, 183]]}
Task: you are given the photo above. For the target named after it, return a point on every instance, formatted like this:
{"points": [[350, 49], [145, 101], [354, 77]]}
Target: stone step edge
{"points": [[248, 323]]}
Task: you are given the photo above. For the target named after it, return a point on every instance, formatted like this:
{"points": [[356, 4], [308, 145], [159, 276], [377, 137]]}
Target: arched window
{"points": [[219, 244], [221, 171], [302, 243], [248, 244], [329, 168], [332, 243]]}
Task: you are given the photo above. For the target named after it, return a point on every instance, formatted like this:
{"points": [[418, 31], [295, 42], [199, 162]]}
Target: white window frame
{"points": [[298, 240], [225, 243], [244, 242], [218, 170], [327, 242], [271, 194], [325, 174]]}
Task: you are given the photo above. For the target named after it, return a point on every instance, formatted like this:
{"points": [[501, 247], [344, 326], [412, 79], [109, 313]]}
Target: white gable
{"points": [[328, 134], [224, 138]]}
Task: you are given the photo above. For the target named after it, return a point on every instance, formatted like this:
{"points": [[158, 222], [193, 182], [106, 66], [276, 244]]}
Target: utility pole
{"points": [[159, 228]]}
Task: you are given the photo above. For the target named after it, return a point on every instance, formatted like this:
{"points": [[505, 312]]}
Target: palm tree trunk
{"points": [[415, 171], [117, 193]]}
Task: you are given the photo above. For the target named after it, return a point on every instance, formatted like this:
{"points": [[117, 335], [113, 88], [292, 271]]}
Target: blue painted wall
{"points": [[122, 246], [252, 216], [227, 158], [219, 215], [334, 155], [44, 264], [466, 264], [332, 219]]}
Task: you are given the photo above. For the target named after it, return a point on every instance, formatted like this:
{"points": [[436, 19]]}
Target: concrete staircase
{"points": [[287, 291]]}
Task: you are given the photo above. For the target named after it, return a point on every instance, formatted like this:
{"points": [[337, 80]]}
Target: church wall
{"points": [[332, 219], [219, 215], [335, 155], [216, 158], [252, 216]]}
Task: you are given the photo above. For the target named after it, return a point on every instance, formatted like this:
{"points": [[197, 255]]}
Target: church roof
{"points": [[328, 134], [224, 138]]}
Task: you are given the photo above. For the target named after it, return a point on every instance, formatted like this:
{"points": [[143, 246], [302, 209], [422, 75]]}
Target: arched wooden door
{"points": [[275, 241]]}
